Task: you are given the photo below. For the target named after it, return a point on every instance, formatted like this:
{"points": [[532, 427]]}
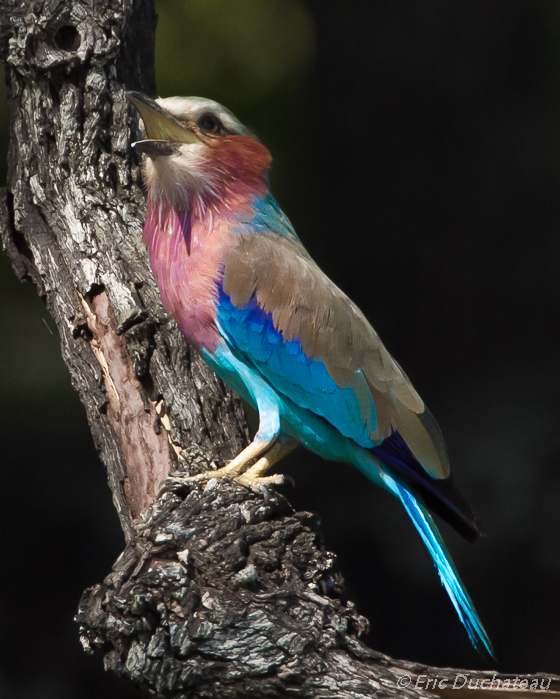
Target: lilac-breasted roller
{"points": [[245, 292]]}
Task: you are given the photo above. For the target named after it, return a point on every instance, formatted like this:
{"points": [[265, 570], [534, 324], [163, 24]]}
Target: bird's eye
{"points": [[210, 124]]}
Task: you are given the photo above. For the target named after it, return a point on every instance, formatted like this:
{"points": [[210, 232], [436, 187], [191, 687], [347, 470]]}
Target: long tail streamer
{"points": [[442, 560]]}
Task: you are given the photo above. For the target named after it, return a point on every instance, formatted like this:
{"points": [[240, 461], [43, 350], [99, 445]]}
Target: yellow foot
{"points": [[253, 478], [235, 466], [231, 471]]}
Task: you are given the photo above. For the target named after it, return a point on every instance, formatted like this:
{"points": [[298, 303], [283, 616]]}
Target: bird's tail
{"points": [[442, 560]]}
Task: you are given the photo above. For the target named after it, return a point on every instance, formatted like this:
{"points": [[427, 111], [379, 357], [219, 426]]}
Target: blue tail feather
{"points": [[442, 560], [439, 494]]}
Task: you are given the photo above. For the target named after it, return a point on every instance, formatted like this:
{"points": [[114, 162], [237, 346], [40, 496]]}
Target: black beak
{"points": [[153, 148]]}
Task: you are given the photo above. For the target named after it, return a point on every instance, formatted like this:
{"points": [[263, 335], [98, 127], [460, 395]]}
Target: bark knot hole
{"points": [[68, 38]]}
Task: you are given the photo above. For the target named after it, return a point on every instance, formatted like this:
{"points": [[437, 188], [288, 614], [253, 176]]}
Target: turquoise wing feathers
{"points": [[313, 344], [251, 332]]}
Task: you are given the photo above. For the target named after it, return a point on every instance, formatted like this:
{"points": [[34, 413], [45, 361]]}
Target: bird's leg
{"points": [[253, 477], [268, 432], [236, 465]]}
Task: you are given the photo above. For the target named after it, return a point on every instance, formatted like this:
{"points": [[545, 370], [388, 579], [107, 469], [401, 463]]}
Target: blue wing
{"points": [[250, 330], [315, 346], [285, 318], [251, 333]]}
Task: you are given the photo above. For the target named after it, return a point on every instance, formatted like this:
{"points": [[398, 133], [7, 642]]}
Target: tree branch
{"points": [[220, 592], [72, 224]]}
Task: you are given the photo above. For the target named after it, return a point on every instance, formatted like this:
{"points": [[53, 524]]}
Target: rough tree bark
{"points": [[219, 592]]}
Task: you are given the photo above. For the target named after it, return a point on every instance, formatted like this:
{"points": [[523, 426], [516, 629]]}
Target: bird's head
{"points": [[198, 154]]}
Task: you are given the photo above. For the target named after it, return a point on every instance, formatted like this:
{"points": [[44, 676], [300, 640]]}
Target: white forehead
{"points": [[192, 108]]}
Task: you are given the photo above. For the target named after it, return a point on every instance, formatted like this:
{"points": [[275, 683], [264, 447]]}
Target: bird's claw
{"points": [[225, 472], [254, 479], [174, 482], [257, 483], [237, 470], [179, 479], [250, 479]]}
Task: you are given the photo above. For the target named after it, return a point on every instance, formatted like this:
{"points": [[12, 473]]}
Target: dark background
{"points": [[416, 149]]}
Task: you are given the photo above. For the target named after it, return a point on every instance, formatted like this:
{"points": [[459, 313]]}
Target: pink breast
{"points": [[187, 262]]}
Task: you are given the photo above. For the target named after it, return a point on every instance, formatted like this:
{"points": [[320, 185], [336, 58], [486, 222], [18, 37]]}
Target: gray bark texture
{"points": [[219, 592]]}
